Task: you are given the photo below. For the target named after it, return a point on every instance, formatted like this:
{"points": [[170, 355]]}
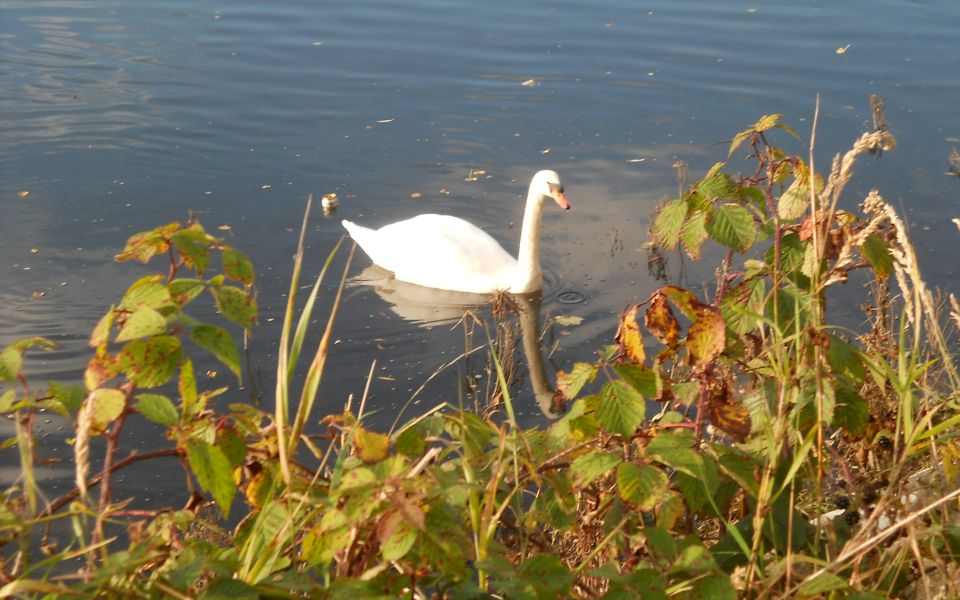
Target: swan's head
{"points": [[547, 184]]}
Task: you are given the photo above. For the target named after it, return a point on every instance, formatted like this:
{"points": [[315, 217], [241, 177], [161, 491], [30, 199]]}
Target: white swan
{"points": [[449, 253]]}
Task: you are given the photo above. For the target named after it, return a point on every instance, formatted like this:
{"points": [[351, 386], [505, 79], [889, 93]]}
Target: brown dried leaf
{"points": [[732, 419], [629, 338], [660, 321]]}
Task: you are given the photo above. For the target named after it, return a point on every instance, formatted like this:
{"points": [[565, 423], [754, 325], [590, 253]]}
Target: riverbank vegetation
{"points": [[730, 443]]}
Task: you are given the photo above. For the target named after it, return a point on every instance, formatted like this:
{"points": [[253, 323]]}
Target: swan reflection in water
{"points": [[431, 306]]}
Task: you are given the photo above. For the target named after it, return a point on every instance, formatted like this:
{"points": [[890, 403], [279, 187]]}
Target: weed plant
{"points": [[786, 456]]}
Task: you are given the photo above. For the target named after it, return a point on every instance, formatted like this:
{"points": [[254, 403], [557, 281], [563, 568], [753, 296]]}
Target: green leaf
{"points": [[226, 588], [851, 411], [106, 404], [233, 445], [794, 201], [877, 253], [70, 396], [642, 485], [694, 233], [185, 289], [546, 575], [10, 363], [715, 587], [824, 582], [213, 472], [187, 386], [150, 362], [6, 400], [147, 291], [571, 383], [732, 226], [237, 266], [644, 380], [621, 409], [718, 186], [236, 305], [193, 246], [158, 408], [401, 539], [142, 323], [694, 559], [588, 467], [668, 222], [218, 342], [101, 333]]}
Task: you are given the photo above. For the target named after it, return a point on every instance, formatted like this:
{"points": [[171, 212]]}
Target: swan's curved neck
{"points": [[528, 277]]}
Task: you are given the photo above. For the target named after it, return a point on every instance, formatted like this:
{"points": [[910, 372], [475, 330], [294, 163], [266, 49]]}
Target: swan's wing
{"points": [[443, 252]]}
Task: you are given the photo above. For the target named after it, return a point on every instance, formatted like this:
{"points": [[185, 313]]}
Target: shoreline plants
{"points": [[724, 446]]}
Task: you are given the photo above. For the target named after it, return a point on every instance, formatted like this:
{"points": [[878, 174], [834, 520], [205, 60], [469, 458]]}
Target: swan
{"points": [[448, 253]]}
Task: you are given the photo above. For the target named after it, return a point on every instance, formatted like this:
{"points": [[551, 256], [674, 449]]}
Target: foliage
{"points": [[699, 457]]}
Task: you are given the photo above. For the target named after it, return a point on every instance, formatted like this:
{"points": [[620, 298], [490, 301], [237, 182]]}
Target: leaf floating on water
{"points": [[445, 191], [329, 201], [416, 195], [39, 294], [384, 121], [23, 193], [530, 83], [635, 160], [568, 321], [266, 186], [474, 173], [545, 151], [34, 250], [224, 228], [843, 49]]}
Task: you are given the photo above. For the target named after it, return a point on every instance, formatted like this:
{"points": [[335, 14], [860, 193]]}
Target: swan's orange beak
{"points": [[560, 199]]}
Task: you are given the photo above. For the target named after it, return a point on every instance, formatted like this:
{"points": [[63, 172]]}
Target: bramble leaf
{"points": [[732, 226], [371, 446], [142, 323], [237, 266], [659, 320], [706, 337], [588, 467], [629, 338], [150, 362], [668, 222], [621, 408], [219, 343], [158, 408], [642, 485], [694, 233], [213, 472], [570, 384], [236, 305]]}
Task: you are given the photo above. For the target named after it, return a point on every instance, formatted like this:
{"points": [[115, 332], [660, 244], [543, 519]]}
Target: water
{"points": [[120, 116]]}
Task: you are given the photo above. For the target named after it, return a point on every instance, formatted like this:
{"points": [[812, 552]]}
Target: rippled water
{"points": [[120, 116]]}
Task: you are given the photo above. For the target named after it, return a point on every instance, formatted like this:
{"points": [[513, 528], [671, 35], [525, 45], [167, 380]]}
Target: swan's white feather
{"points": [[449, 253], [438, 251]]}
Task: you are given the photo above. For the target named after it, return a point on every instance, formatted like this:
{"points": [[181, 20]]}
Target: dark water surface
{"points": [[120, 116]]}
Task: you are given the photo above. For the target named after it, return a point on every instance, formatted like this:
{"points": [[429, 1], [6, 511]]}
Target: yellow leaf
{"points": [[371, 446], [629, 338]]}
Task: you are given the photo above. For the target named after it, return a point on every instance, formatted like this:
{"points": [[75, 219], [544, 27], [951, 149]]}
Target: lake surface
{"points": [[117, 117]]}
